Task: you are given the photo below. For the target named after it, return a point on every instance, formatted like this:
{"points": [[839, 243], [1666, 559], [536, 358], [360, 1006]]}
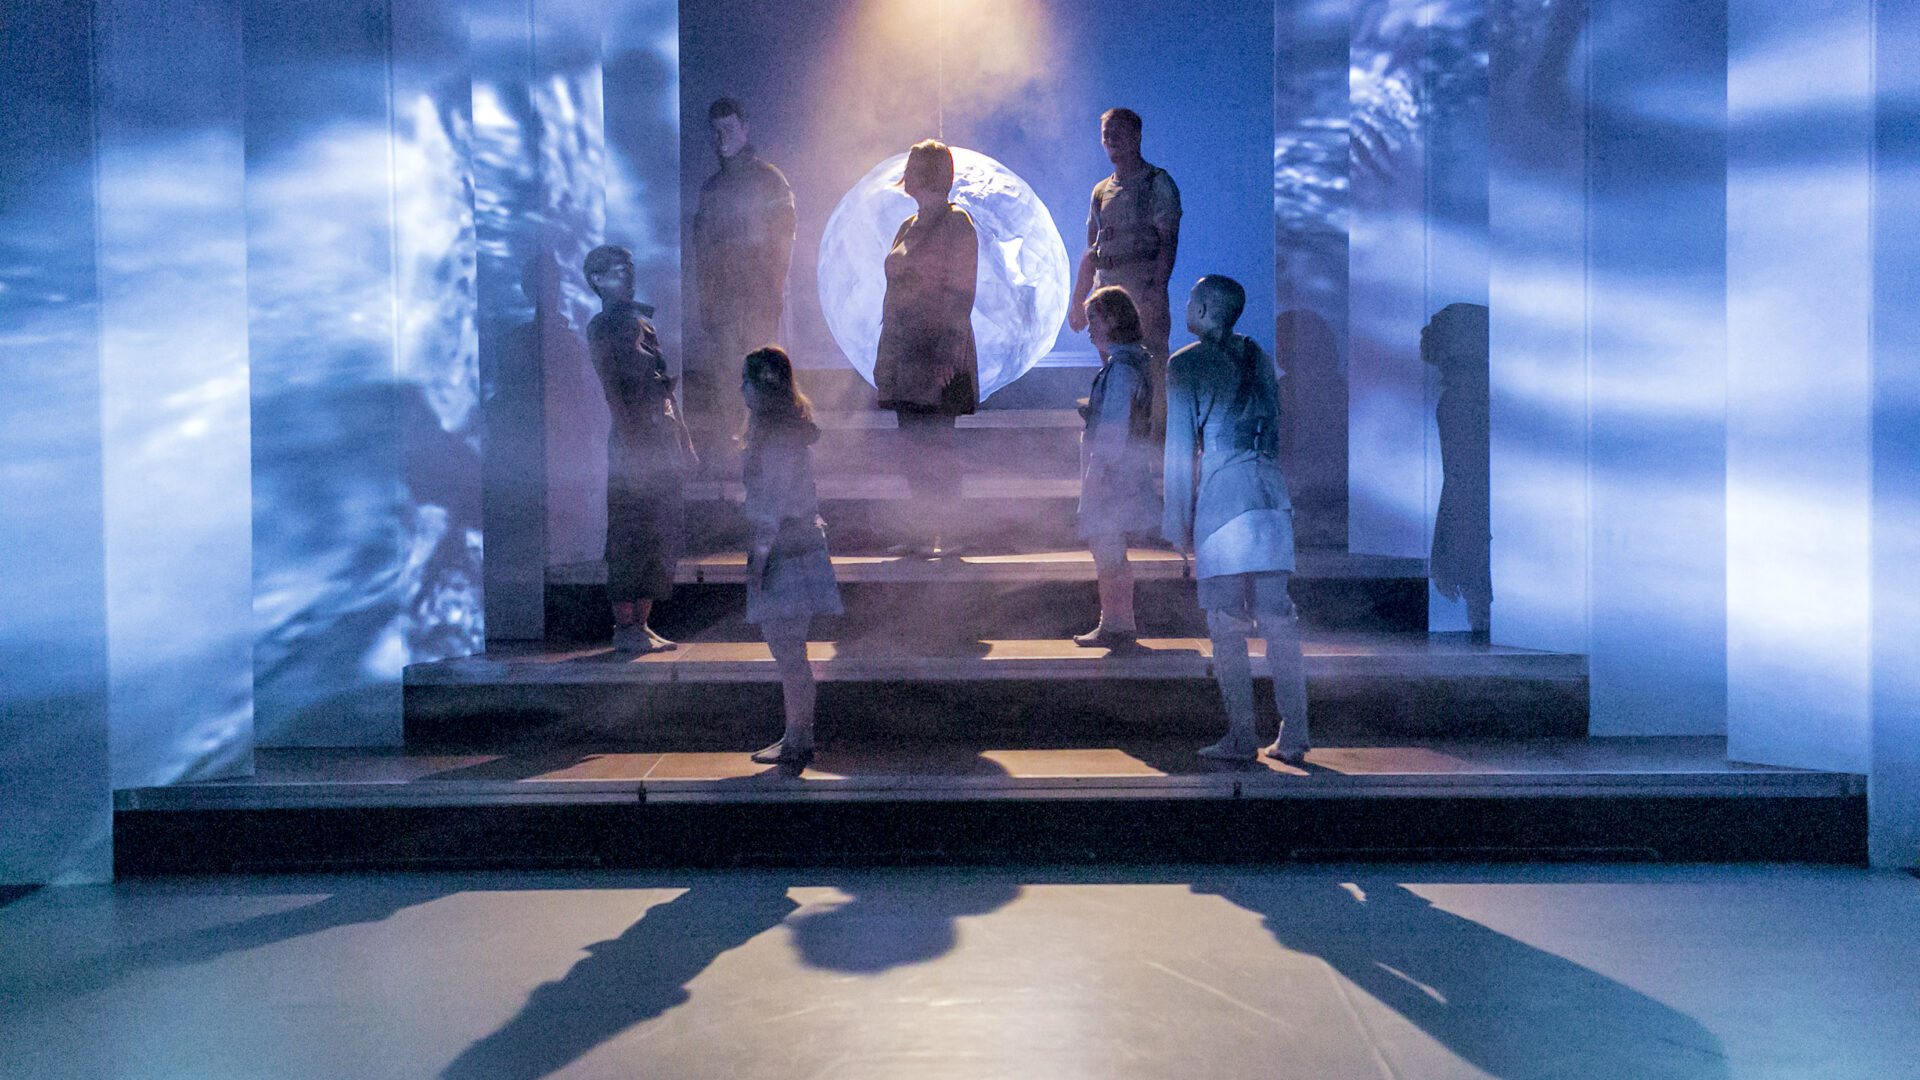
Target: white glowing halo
{"points": [[1021, 291]]}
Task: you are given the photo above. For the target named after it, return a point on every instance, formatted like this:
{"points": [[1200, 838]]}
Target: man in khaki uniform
{"points": [[1133, 234]]}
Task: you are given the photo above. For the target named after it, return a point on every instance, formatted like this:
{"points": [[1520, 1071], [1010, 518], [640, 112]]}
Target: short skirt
{"points": [[798, 581]]}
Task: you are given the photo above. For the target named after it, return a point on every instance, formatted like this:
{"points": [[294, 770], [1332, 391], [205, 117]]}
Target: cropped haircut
{"points": [[1127, 117], [1229, 293], [725, 107]]}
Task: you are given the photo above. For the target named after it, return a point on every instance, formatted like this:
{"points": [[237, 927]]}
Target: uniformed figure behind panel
{"points": [[1226, 501], [1133, 234], [742, 241]]}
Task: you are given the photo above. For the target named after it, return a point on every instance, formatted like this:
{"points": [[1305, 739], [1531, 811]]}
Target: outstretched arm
{"points": [[1082, 288]]}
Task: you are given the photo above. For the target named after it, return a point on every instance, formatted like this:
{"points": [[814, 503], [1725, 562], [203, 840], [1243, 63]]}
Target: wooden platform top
{"points": [[1161, 769], [890, 659], [1000, 419], [1149, 564]]}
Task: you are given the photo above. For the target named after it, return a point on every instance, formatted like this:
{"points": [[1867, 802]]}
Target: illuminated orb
{"points": [[1020, 297]]}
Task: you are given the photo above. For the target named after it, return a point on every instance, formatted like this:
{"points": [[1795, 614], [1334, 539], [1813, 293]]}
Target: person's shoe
{"points": [[784, 752], [1105, 637], [1286, 756], [639, 639], [1228, 749]]}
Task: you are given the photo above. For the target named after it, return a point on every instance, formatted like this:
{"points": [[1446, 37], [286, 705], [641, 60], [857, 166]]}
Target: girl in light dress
{"points": [[789, 574]]}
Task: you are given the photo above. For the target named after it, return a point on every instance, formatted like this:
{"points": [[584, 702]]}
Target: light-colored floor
{"points": [[1556, 973]]}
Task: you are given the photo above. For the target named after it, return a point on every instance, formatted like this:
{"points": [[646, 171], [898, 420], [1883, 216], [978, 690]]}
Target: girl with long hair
{"points": [[789, 574]]}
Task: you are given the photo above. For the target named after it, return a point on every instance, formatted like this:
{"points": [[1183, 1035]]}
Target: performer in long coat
{"points": [[926, 369]]}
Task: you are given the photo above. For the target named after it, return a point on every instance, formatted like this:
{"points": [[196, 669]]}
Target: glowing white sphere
{"points": [[1022, 288]]}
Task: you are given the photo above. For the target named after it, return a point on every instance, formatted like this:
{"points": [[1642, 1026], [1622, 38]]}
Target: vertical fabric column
{"points": [[640, 79], [332, 532], [1657, 308], [1537, 212], [1457, 244], [1799, 383], [1311, 153], [173, 369], [570, 166], [436, 346], [55, 801], [517, 289], [1390, 404], [367, 530], [1893, 779]]}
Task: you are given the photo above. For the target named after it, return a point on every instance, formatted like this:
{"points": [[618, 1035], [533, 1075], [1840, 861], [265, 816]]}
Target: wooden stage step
{"points": [[1036, 692], [1114, 802], [885, 660], [1149, 564]]}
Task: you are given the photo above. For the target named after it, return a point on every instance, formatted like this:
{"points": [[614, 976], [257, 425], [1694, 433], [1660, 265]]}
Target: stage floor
{"points": [[1123, 973], [1132, 769], [879, 657]]}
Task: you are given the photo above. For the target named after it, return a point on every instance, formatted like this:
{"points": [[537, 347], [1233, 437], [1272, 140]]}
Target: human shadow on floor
{"points": [[622, 982], [1506, 1007], [350, 904], [894, 922]]}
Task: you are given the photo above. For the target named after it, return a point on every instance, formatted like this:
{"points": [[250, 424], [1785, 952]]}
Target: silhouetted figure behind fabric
{"points": [[1455, 342], [1313, 426], [926, 369]]}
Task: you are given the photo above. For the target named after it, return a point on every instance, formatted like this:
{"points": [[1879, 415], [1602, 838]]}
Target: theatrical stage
{"points": [[970, 747], [958, 723], [1598, 460]]}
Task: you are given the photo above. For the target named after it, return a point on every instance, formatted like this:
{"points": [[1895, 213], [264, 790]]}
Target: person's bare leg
{"points": [[1234, 673], [1116, 604], [787, 640], [1281, 629], [1115, 579]]}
